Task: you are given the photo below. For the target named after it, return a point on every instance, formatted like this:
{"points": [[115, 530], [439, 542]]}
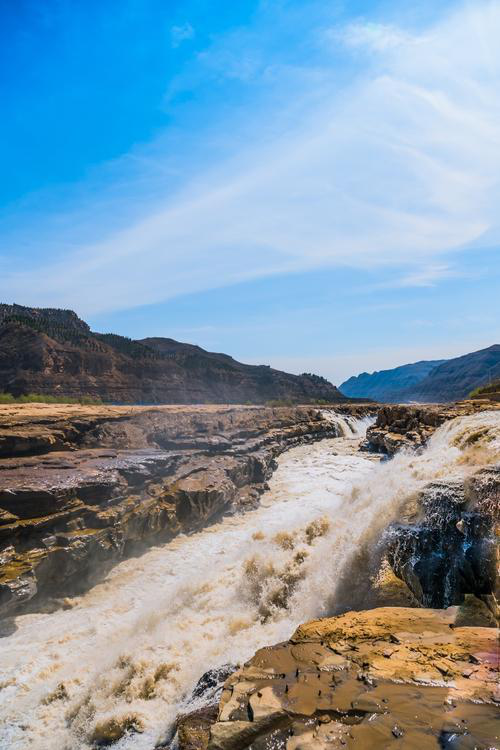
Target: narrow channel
{"points": [[134, 646]]}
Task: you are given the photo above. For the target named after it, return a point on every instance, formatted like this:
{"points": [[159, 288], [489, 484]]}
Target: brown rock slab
{"points": [[392, 677]]}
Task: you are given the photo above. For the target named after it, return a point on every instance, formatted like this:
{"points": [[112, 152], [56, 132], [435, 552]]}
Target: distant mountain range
{"points": [[54, 352], [386, 384], [428, 381]]}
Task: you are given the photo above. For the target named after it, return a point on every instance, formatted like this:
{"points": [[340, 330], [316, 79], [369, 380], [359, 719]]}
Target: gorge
{"points": [[250, 375], [117, 663]]}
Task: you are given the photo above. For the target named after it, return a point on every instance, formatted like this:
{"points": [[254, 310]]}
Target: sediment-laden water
{"points": [[128, 653]]}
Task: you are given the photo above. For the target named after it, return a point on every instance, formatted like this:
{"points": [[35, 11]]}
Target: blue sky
{"points": [[313, 185]]}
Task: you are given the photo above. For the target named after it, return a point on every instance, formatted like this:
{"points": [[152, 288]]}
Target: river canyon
{"points": [[117, 664]]}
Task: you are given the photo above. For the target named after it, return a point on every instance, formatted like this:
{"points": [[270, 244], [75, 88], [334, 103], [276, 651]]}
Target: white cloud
{"points": [[376, 37], [179, 34], [428, 276], [396, 170]]}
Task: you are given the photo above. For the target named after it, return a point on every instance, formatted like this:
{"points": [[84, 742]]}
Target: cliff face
{"points": [[91, 485], [447, 549], [402, 426], [54, 352]]}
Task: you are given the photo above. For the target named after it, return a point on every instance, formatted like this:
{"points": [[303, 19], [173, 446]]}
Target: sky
{"points": [[308, 184]]}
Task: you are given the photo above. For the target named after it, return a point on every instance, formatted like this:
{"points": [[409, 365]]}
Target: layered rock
{"points": [[392, 676], [386, 678], [53, 352], [402, 426], [104, 482]]}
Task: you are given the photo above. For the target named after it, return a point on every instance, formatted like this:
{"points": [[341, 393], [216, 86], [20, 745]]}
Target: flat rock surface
{"points": [[391, 677]]}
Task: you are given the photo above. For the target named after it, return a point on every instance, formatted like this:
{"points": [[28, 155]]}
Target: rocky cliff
{"points": [[394, 676], [82, 487], [54, 352], [446, 548]]}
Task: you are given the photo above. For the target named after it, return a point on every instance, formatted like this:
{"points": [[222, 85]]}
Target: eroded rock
{"points": [[122, 479], [385, 678], [400, 426], [449, 548]]}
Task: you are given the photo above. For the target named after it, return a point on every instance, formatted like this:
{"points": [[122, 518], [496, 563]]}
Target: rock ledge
{"points": [[381, 679]]}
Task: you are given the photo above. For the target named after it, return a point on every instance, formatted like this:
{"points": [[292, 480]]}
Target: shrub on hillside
{"points": [[484, 390], [43, 398]]}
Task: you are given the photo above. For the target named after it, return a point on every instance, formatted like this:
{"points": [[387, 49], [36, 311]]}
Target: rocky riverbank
{"points": [[403, 426], [392, 676], [446, 546], [84, 486], [119, 663], [387, 678]]}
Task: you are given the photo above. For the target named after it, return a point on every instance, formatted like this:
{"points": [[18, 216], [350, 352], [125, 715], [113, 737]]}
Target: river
{"points": [[129, 651]]}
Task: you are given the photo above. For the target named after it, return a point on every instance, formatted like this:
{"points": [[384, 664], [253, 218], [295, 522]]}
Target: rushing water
{"points": [[127, 653]]}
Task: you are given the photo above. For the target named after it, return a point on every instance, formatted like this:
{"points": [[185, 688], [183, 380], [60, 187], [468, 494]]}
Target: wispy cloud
{"points": [[427, 276], [396, 169], [179, 34], [375, 37]]}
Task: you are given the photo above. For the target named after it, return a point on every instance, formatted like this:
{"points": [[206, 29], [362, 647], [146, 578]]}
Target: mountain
{"points": [[54, 352], [438, 381], [456, 378], [388, 385]]}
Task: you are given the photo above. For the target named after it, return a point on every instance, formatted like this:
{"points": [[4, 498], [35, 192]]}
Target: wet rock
{"points": [[211, 683], [193, 729], [400, 426], [193, 726], [449, 550], [307, 694], [102, 483]]}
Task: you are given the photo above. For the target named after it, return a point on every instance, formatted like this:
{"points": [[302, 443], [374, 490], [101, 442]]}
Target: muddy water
{"points": [[119, 662]]}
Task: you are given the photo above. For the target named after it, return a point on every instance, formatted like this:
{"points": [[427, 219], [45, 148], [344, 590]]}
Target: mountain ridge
{"points": [[459, 376], [52, 351], [435, 381], [384, 385]]}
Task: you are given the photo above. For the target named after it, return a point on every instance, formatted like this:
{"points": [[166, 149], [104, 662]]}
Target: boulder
{"points": [[449, 549]]}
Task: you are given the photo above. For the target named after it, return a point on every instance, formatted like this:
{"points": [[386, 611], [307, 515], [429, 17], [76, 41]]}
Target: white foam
{"points": [[210, 598]]}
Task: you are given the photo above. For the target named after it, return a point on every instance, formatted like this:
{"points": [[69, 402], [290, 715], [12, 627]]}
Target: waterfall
{"points": [[126, 655]]}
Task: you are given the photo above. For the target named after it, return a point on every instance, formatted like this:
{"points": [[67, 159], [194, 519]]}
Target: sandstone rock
{"points": [[385, 678]]}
